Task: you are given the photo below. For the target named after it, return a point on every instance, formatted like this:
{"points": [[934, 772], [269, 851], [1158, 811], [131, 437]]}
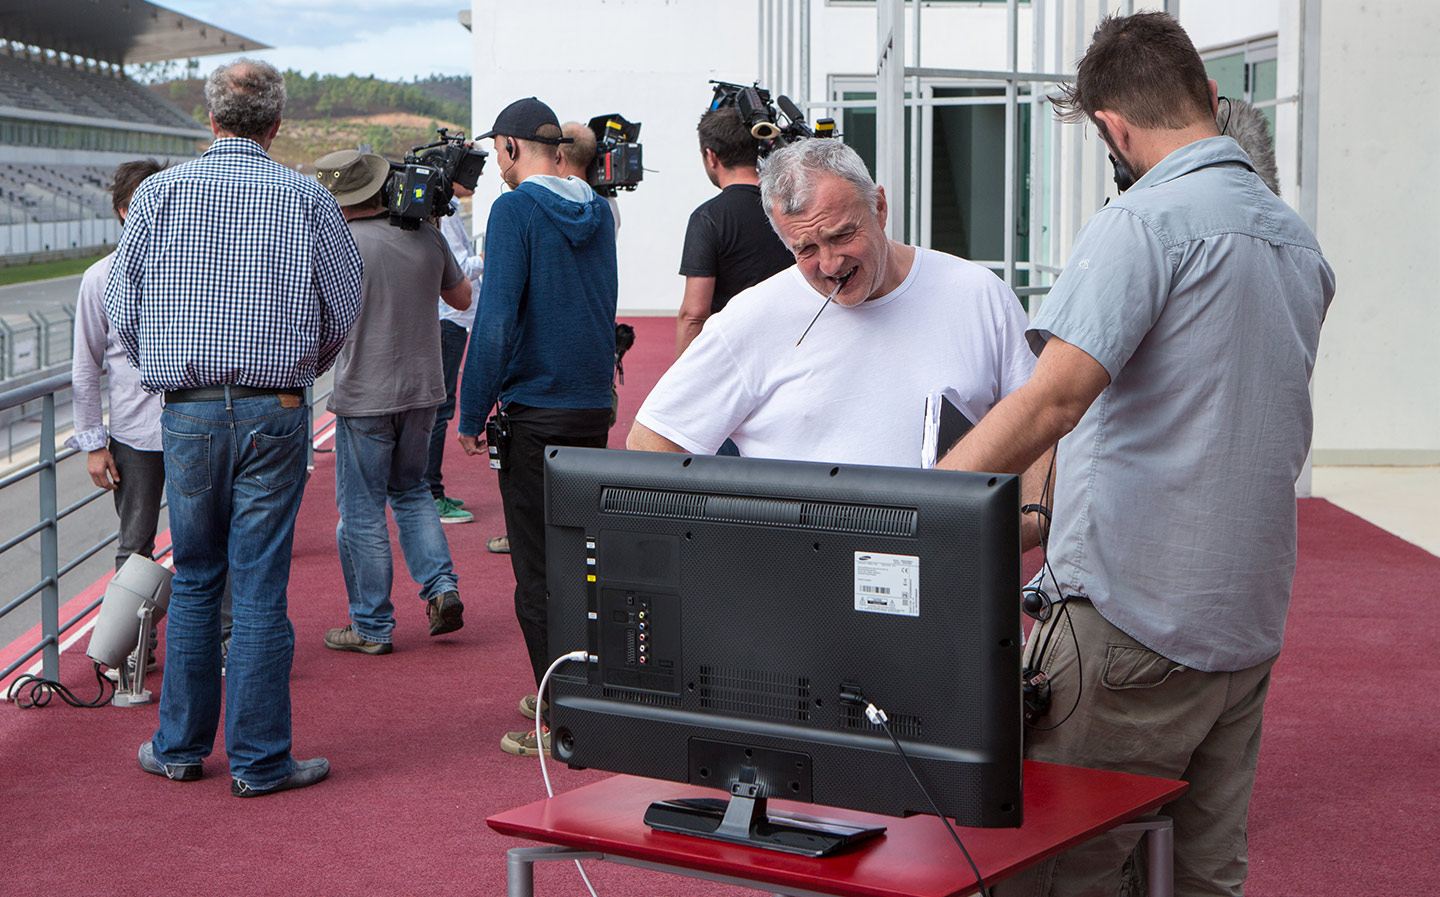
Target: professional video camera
{"points": [[763, 119], [616, 165], [420, 188]]}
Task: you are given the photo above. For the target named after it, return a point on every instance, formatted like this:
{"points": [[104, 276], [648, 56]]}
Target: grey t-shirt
{"points": [[1202, 294], [391, 359]]}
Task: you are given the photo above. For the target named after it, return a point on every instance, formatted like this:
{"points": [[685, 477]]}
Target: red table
{"points": [[1064, 806]]}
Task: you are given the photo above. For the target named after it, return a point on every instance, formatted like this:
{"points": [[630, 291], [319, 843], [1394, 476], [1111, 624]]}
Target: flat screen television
{"points": [[732, 609]]}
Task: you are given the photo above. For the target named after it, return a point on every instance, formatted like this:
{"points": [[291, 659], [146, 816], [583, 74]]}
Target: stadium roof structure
{"points": [[117, 31]]}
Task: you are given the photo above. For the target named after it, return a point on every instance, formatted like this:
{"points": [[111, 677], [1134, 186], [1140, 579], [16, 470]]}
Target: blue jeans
{"points": [[379, 458], [235, 474], [453, 340]]}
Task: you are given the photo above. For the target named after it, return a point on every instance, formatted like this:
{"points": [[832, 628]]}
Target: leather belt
{"points": [[217, 393]]}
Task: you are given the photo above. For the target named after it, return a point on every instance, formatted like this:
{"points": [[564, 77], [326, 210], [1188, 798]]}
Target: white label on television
{"points": [[887, 583]]}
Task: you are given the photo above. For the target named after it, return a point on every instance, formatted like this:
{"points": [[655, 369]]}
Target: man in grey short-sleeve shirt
{"points": [[388, 382], [1174, 358]]}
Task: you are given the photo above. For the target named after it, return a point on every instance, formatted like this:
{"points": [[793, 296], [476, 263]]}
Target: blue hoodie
{"points": [[544, 334]]}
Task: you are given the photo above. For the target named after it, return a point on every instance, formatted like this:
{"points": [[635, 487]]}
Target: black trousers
{"points": [[522, 494]]}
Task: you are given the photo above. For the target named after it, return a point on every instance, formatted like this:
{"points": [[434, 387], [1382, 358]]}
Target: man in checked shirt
{"points": [[232, 288]]}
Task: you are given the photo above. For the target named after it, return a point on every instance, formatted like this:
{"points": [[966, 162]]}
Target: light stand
{"points": [[136, 598], [131, 688]]}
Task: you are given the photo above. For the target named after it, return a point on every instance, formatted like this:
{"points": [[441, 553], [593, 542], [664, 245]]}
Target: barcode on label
{"points": [[877, 590]]}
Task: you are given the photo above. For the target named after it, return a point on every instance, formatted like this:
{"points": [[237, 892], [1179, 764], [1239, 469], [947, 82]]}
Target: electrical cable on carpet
{"points": [[32, 691]]}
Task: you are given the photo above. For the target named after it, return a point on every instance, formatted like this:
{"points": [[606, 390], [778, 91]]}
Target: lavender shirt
{"points": [[134, 413]]}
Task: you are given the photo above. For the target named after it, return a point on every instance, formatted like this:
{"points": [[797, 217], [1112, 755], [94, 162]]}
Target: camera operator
{"points": [[1175, 354], [388, 382], [543, 344], [729, 245]]}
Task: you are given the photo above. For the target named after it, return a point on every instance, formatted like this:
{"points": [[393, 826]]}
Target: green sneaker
{"points": [[450, 512], [525, 743]]}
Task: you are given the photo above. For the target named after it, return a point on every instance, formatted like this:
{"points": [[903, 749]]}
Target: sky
{"points": [[391, 39]]}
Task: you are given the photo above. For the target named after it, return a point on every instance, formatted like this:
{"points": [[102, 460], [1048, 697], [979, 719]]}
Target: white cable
{"points": [[582, 656], [539, 700]]}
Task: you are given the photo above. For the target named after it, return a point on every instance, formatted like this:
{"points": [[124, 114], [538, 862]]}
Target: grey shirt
{"points": [[391, 359], [1202, 294]]}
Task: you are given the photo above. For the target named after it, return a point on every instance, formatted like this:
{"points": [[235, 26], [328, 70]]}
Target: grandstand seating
{"points": [[47, 87], [63, 126], [39, 193]]}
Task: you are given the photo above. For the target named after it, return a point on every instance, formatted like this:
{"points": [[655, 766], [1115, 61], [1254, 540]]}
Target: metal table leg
{"points": [[520, 865], [1159, 852]]}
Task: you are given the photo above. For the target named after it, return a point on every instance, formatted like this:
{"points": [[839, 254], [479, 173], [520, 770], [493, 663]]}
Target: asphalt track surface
{"points": [[41, 295]]}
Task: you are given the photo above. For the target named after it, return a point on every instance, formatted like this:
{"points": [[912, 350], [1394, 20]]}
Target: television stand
{"points": [[744, 820]]}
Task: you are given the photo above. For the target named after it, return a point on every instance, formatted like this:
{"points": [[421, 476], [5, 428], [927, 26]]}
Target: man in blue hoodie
{"points": [[543, 345]]}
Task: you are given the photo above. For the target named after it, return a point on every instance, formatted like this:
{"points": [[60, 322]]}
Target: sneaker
{"points": [[175, 772], [444, 611], [457, 502], [450, 512], [499, 544], [524, 743], [306, 772], [347, 640], [527, 706]]}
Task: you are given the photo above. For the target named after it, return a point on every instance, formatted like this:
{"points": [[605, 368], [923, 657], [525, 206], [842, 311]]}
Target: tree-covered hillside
{"points": [[329, 112]]}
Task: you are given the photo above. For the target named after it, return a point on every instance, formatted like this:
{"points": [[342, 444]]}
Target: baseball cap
{"points": [[522, 118]]}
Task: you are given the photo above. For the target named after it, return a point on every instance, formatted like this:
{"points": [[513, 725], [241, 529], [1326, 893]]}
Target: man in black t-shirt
{"points": [[729, 245]]}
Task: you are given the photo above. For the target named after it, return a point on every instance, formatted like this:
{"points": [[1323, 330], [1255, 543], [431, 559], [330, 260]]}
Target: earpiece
{"points": [[510, 148], [1124, 180], [1036, 603]]}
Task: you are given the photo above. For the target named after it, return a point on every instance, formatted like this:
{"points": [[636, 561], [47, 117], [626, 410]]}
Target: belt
{"points": [[217, 393]]}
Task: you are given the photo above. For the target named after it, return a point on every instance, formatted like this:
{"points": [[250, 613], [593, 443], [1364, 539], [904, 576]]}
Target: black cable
{"points": [[1044, 522], [1079, 670], [879, 719], [32, 691]]}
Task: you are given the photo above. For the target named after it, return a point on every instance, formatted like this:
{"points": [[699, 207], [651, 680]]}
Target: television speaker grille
{"points": [[777, 512]]}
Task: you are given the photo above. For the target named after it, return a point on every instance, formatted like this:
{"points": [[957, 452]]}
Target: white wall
{"points": [[1377, 211], [1214, 23], [648, 60], [1377, 383]]}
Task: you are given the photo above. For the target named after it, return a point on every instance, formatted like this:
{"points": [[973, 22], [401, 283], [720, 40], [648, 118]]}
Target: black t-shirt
{"points": [[730, 240]]}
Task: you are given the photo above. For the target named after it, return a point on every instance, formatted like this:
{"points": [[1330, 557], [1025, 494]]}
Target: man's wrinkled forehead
{"points": [[834, 206]]}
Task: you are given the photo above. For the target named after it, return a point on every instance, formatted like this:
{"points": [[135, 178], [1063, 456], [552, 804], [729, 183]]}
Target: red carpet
{"points": [[1345, 803]]}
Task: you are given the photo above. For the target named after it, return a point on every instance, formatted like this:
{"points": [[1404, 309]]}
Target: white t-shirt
{"points": [[854, 390]]}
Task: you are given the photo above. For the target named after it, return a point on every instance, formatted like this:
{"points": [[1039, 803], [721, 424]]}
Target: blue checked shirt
{"points": [[233, 269]]}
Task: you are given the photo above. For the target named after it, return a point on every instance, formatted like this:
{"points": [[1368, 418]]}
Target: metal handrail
{"points": [[47, 527]]}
